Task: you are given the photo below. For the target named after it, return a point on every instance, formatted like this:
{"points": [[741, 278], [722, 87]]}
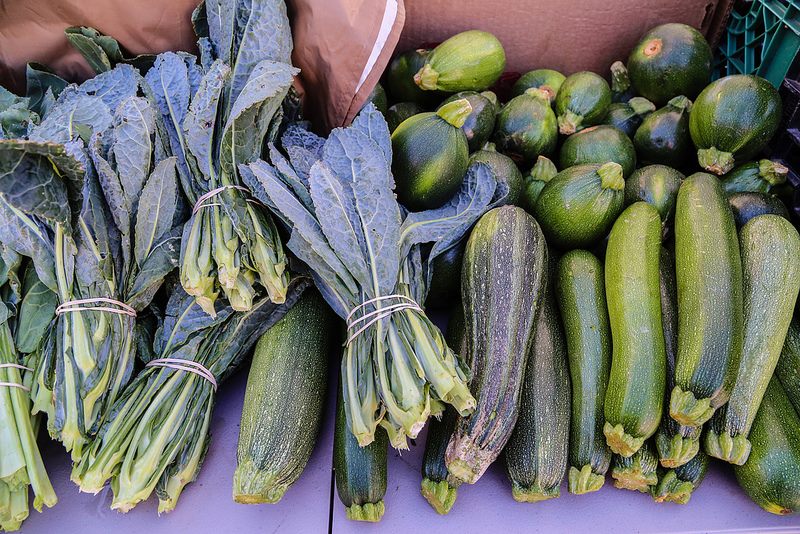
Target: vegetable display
{"points": [[581, 298], [732, 119], [288, 369], [771, 279], [708, 271], [536, 454], [505, 265], [670, 60], [21, 465], [348, 227], [613, 309], [635, 391]]}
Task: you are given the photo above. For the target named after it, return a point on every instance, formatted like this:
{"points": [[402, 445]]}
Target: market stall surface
{"points": [[205, 506]]}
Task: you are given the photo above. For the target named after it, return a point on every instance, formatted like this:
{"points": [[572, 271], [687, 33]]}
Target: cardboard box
{"points": [[343, 46]]}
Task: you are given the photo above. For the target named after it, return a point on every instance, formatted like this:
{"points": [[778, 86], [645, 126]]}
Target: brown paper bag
{"points": [[343, 46]]}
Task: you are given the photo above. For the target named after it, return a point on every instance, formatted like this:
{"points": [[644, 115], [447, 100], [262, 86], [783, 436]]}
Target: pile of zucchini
{"points": [[622, 307], [625, 304]]}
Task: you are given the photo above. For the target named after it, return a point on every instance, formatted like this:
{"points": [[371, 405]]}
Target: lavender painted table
{"points": [[487, 507]]}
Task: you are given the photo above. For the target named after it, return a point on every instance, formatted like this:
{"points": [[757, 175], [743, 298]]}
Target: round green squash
{"points": [[401, 111], [505, 172], [582, 101], [547, 80], [526, 127], [757, 177], [430, 156], [732, 120], [621, 88], [578, 206], [479, 124], [670, 60], [399, 79], [378, 97], [542, 172], [628, 116], [748, 205], [663, 137], [657, 185], [598, 144], [468, 61]]}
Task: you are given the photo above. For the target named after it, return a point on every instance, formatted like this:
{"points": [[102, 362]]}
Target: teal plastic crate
{"points": [[763, 38]]}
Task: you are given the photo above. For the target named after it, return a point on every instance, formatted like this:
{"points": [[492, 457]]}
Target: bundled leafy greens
{"points": [[218, 115], [158, 430], [336, 197], [26, 309], [92, 197]]}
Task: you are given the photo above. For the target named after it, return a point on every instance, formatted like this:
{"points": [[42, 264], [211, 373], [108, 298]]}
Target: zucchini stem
{"points": [[715, 161], [732, 449], [584, 480], [440, 495], [372, 512], [687, 409], [455, 113], [426, 78], [620, 442]]}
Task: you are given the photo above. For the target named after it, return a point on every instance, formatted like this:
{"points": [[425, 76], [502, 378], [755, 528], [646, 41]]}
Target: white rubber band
{"points": [[14, 366], [185, 365], [14, 384], [200, 204], [77, 306], [407, 303]]}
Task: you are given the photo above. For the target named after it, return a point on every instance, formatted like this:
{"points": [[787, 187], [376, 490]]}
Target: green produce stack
{"points": [[620, 263]]}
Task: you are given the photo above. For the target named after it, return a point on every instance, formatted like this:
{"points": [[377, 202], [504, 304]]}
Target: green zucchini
{"points": [[578, 206], [581, 102], [598, 144], [582, 303], [360, 472], [446, 277], [771, 475], [676, 485], [378, 98], [438, 486], [670, 60], [676, 444], [638, 472], [664, 136], [401, 111], [526, 127], [756, 176], [788, 369], [708, 271], [542, 172], [628, 116], [732, 120], [635, 392], [621, 88], [746, 206], [547, 80], [657, 185], [400, 79], [468, 61], [770, 249], [430, 156], [536, 454], [479, 124], [289, 369], [501, 287], [505, 172]]}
